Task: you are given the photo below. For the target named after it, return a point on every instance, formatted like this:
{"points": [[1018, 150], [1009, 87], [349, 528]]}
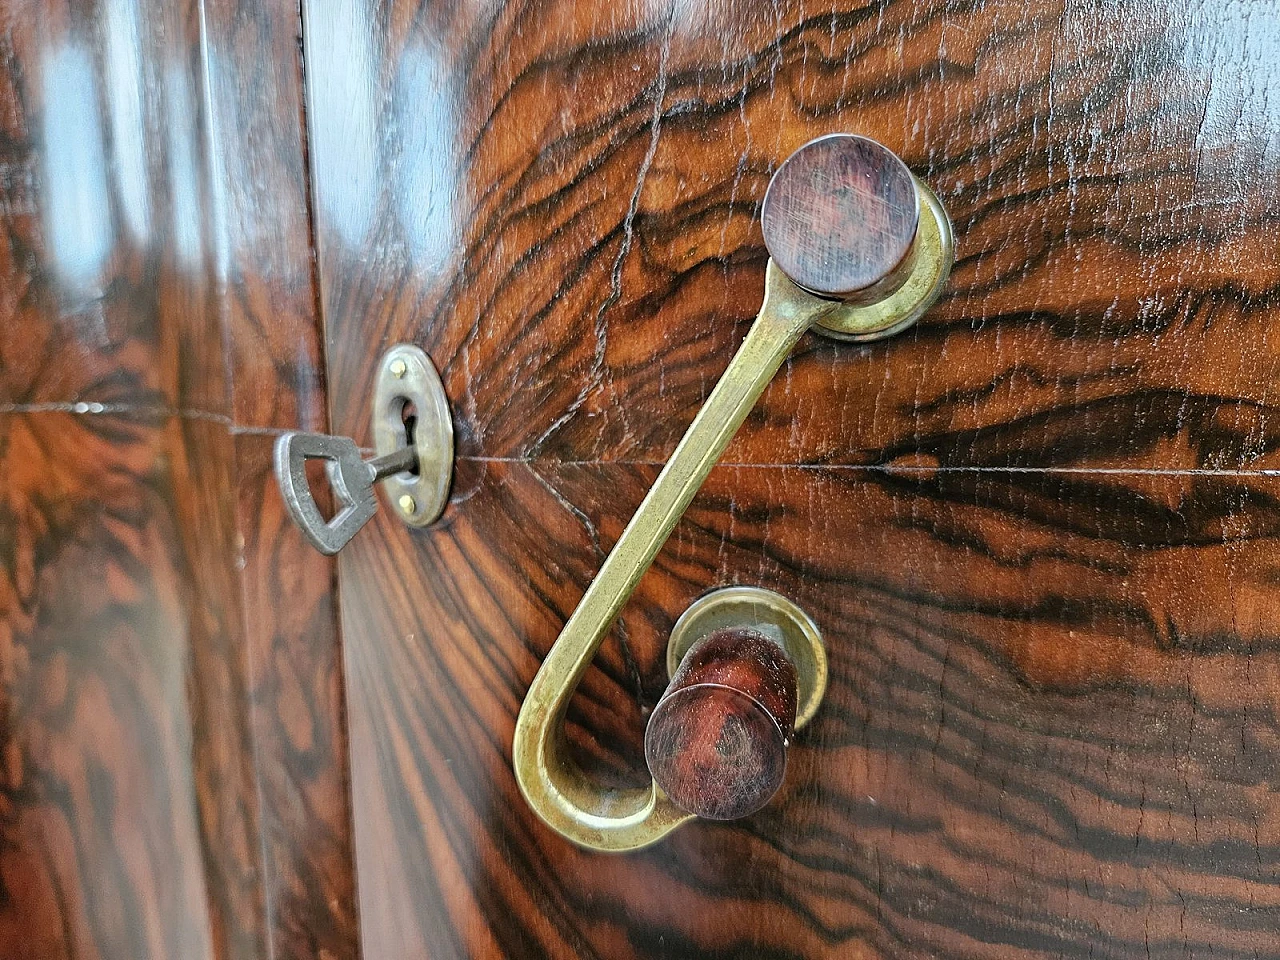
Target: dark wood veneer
{"points": [[1038, 530], [174, 757], [1035, 529]]}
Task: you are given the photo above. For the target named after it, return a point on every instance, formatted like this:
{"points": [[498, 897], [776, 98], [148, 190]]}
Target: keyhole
{"points": [[409, 417]]}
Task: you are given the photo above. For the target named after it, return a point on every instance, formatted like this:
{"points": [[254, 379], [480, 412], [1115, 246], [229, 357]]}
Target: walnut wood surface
{"points": [[1036, 529], [1031, 744], [296, 704], [174, 756], [105, 839]]}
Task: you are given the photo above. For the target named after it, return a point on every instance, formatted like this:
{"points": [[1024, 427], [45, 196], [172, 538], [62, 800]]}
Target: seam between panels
{"points": [[84, 408]]}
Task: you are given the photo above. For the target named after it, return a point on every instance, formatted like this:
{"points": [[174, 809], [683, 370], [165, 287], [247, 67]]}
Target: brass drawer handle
{"points": [[848, 220]]}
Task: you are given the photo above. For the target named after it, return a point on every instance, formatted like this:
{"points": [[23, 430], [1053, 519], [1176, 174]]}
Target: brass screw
{"points": [[408, 504], [398, 370]]}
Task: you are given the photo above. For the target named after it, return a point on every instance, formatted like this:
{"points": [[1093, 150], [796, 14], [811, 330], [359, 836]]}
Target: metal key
{"points": [[416, 462], [351, 478]]}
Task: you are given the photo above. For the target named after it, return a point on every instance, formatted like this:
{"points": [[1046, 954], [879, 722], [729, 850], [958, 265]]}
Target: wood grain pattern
{"points": [[1102, 298], [104, 851], [1037, 529], [174, 763], [298, 713], [1031, 745]]}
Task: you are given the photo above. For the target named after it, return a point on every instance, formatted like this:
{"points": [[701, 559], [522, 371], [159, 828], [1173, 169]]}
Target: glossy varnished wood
{"points": [[1020, 753], [104, 852], [1036, 530], [298, 712], [174, 761], [1088, 192]]}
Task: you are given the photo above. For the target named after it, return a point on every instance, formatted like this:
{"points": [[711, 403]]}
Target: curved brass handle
{"points": [[838, 214]]}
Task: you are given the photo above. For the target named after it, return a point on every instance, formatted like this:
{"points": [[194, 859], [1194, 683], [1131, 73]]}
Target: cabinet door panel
{"points": [[1035, 529]]}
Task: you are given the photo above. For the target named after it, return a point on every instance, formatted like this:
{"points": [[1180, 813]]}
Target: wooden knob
{"points": [[717, 740], [840, 218]]}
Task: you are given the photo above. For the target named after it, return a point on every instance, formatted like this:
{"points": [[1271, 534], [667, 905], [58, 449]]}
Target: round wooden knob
{"points": [[717, 741], [840, 218]]}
